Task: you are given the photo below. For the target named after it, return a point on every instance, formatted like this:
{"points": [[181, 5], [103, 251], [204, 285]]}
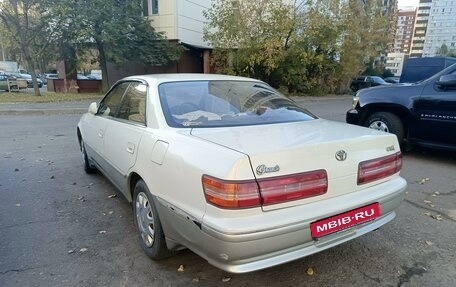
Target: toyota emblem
{"points": [[341, 155]]}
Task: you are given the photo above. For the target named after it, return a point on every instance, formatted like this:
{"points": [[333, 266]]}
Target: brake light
{"points": [[293, 187], [231, 194], [378, 168]]}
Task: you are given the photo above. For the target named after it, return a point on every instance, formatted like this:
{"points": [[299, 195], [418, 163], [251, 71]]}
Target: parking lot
{"points": [[61, 227]]}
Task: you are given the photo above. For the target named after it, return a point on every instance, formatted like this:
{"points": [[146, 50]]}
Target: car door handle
{"points": [[100, 133], [131, 148]]}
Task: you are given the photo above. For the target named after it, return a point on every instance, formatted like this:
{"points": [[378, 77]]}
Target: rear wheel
{"points": [[151, 235], [386, 122]]}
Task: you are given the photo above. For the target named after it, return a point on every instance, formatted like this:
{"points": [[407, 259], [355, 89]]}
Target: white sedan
{"points": [[233, 170]]}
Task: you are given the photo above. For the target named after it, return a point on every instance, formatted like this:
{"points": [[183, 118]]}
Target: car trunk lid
{"points": [[292, 148]]}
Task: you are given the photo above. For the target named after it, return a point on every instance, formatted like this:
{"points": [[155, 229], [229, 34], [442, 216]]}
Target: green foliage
{"points": [[37, 31], [311, 47], [116, 29]]}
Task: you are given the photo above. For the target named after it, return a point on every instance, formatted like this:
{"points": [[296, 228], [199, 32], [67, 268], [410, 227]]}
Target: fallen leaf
{"points": [[427, 201], [83, 249], [423, 180], [112, 196], [81, 198], [181, 268], [437, 217], [70, 251], [102, 231], [310, 271], [196, 279], [429, 242], [427, 213], [226, 279], [436, 193], [111, 212]]}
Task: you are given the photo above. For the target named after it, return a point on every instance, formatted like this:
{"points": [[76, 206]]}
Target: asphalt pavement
{"points": [[62, 227]]}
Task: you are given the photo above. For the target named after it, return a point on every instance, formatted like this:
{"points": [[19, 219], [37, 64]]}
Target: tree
{"points": [[116, 29], [249, 37], [25, 22], [312, 46], [443, 50]]}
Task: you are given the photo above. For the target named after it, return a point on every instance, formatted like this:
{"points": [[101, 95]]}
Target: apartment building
{"points": [[441, 27], [421, 23], [180, 20], [404, 31], [395, 62]]}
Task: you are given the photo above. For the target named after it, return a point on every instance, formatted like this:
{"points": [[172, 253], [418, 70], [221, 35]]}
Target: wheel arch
{"points": [[400, 111], [133, 179], [78, 133]]}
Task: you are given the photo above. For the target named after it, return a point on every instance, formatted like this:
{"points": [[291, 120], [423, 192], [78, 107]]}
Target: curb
{"points": [[35, 112]]}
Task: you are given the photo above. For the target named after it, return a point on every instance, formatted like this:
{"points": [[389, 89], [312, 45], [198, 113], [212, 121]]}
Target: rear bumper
{"points": [[240, 252]]}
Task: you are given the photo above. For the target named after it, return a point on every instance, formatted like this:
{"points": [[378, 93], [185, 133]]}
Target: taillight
{"points": [[245, 194], [378, 168], [293, 187], [231, 194]]}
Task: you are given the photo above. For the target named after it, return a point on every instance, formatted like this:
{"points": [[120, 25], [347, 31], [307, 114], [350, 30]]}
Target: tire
{"points": [[13, 89], [386, 122], [147, 222], [88, 167]]}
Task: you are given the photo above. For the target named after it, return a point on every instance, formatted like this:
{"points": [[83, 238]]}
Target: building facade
{"points": [[404, 31], [395, 62], [441, 28], [180, 20], [421, 23]]}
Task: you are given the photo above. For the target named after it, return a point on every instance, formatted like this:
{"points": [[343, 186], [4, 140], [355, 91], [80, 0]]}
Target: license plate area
{"points": [[344, 220]]}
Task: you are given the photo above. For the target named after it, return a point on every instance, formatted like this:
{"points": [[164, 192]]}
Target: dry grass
{"points": [[46, 97]]}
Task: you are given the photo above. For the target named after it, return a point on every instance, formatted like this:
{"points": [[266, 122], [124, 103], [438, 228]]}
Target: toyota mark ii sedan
{"points": [[236, 172]]}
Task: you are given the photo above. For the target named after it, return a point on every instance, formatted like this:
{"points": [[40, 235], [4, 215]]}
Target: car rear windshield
{"points": [[226, 103]]}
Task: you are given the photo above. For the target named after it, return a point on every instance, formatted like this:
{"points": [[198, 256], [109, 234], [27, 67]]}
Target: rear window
{"points": [[226, 103]]}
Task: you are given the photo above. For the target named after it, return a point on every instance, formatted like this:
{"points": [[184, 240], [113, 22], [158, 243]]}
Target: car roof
{"points": [[187, 77]]}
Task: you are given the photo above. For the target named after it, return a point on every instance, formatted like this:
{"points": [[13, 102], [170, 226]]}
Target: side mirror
{"points": [[447, 81], [93, 108]]}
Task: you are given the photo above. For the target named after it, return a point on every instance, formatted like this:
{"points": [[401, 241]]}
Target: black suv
{"points": [[422, 113]]}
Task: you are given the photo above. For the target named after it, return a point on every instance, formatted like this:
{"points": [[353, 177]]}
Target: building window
{"points": [[150, 7], [154, 7]]}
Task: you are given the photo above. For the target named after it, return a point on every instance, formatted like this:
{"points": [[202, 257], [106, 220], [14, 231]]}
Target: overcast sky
{"points": [[403, 3]]}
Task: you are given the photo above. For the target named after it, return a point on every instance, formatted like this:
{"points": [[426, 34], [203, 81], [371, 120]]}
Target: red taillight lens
{"points": [[231, 194], [293, 187], [378, 168]]}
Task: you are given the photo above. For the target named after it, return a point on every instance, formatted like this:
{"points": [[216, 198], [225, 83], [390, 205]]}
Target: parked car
{"points": [[11, 83], [238, 173], [362, 82], [392, 80], [423, 113], [94, 76], [28, 78], [51, 76], [82, 77]]}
